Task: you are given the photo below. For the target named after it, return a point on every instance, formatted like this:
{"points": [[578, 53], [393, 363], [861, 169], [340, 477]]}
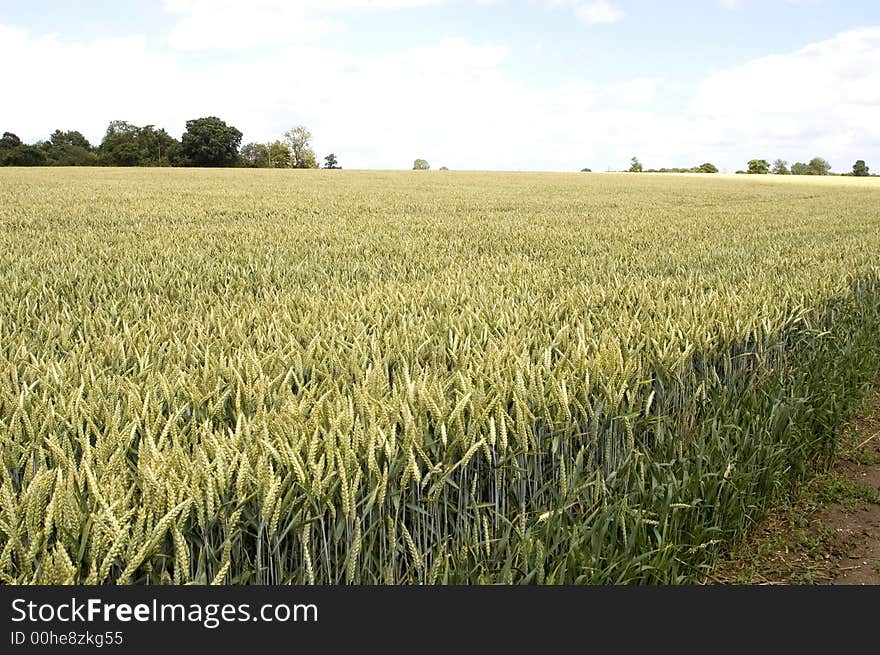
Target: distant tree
{"points": [[421, 165], [330, 161], [780, 167], [707, 168], [254, 155], [279, 154], [9, 140], [125, 144], [740, 172], [635, 165], [444, 168], [68, 148], [800, 168], [586, 170], [759, 167], [157, 147], [299, 140], [860, 169], [209, 141], [70, 138], [818, 166], [120, 146]]}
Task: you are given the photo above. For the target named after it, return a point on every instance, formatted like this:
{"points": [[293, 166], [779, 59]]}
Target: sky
{"points": [[555, 85]]}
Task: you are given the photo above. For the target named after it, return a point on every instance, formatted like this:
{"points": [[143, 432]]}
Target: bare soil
{"points": [[830, 533]]}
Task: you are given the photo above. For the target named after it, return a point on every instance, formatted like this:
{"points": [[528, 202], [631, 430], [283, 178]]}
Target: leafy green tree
{"points": [[421, 165], [299, 141], [209, 141], [586, 170], [120, 146], [9, 140], [157, 147], [860, 169], [800, 168], [279, 154], [23, 155], [68, 148], [818, 166], [70, 138], [635, 166], [759, 167], [275, 154], [707, 168], [254, 155], [330, 161], [780, 167]]}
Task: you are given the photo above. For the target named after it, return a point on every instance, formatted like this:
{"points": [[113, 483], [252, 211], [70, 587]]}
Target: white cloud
{"points": [[590, 12], [824, 97], [598, 12]]}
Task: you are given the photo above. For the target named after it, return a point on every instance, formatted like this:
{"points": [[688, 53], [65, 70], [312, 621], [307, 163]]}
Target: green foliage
{"points": [[275, 154], [125, 144], [635, 165], [707, 168], [780, 167], [299, 141], [758, 167], [421, 165], [210, 142], [860, 169], [330, 161], [818, 166], [9, 141], [23, 155]]}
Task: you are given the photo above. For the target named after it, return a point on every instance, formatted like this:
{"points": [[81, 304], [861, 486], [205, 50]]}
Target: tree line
{"points": [[816, 166], [207, 141]]}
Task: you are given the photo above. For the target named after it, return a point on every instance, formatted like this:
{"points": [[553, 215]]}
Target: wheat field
{"points": [[274, 377]]}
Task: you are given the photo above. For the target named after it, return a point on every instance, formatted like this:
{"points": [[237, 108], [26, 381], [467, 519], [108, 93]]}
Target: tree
{"points": [[421, 165], [157, 147], [780, 167], [125, 144], [444, 168], [818, 166], [860, 169], [586, 170], [279, 154], [759, 167], [635, 165], [9, 140], [254, 155], [68, 148], [330, 161], [275, 154], [301, 154], [799, 168], [70, 138], [23, 155], [707, 168], [209, 141]]}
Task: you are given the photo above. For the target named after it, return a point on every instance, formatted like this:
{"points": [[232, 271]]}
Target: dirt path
{"points": [[830, 534], [861, 528]]}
